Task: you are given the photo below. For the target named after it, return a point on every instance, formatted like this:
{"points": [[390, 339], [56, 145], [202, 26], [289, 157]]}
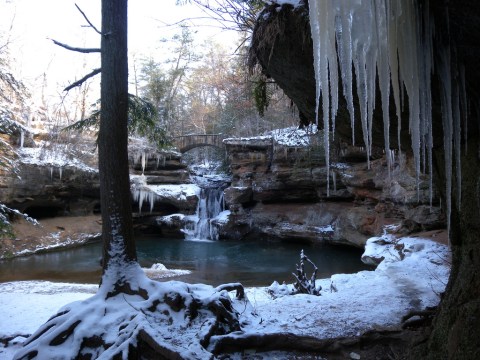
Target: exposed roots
{"points": [[336, 347], [171, 320]]}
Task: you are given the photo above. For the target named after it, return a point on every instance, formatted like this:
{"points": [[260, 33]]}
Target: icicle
{"points": [[144, 194], [143, 162], [447, 116], [334, 178], [426, 104], [51, 172], [60, 171], [322, 25], [384, 72], [344, 41], [362, 96], [391, 39], [393, 10], [22, 138]]}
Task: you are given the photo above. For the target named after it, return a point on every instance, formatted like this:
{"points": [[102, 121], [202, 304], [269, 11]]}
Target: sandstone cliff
{"points": [[279, 191]]}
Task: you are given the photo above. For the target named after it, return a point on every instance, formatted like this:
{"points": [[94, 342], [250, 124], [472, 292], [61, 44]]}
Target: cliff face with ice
{"points": [[279, 191], [50, 180], [447, 142]]}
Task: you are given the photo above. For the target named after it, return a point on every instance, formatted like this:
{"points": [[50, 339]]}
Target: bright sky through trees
{"points": [[29, 24]]}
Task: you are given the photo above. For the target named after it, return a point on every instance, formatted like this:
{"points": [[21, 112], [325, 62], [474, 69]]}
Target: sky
{"points": [[31, 24]]}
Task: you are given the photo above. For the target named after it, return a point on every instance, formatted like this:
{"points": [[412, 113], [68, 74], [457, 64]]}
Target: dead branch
{"points": [[72, 48], [303, 285], [82, 80], [86, 19]]}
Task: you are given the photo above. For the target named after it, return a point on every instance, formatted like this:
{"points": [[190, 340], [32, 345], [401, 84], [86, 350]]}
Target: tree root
{"points": [[151, 349], [423, 318], [291, 342], [233, 287], [160, 321]]}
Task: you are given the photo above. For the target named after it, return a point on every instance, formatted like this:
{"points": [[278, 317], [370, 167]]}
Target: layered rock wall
{"points": [[279, 191]]}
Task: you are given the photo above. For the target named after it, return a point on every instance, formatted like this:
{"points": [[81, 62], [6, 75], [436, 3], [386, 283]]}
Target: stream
{"points": [[210, 262]]}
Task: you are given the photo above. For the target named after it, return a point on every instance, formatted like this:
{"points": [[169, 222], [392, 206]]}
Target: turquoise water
{"points": [[214, 263]]}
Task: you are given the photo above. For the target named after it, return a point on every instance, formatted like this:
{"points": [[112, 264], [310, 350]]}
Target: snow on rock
{"points": [[171, 219], [222, 217], [294, 3], [25, 305], [293, 136], [168, 314], [160, 271], [289, 137], [55, 159], [174, 194]]}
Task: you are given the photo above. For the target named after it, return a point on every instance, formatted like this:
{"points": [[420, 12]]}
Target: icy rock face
{"points": [[280, 192], [68, 187], [159, 167], [163, 199], [388, 39], [159, 182], [392, 41]]}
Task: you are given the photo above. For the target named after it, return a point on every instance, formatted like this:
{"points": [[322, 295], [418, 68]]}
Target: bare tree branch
{"points": [[7, 42], [88, 21], [82, 80], [81, 50]]}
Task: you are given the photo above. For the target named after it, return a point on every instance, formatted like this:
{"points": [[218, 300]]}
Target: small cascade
{"points": [[210, 205]]}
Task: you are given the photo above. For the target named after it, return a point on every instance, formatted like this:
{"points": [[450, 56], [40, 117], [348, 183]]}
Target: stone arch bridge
{"points": [[189, 142]]}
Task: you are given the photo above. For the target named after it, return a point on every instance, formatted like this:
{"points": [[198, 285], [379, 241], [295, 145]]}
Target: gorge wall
{"points": [[279, 191], [282, 47]]}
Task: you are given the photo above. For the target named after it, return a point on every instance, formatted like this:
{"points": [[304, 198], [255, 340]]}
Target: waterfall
{"points": [[210, 205]]}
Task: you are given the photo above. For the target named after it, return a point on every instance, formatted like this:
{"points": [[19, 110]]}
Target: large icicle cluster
{"points": [[392, 41]]}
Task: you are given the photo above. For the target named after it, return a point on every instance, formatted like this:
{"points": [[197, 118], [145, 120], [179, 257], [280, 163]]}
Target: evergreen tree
{"points": [[117, 229]]}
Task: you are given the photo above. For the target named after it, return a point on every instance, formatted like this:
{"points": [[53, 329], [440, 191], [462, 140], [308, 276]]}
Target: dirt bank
{"points": [[59, 232]]}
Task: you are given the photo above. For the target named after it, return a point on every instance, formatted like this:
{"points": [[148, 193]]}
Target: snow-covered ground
{"points": [[411, 276]]}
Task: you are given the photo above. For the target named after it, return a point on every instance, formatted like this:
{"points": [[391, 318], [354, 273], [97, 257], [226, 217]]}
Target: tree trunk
{"points": [[119, 246], [456, 328]]}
